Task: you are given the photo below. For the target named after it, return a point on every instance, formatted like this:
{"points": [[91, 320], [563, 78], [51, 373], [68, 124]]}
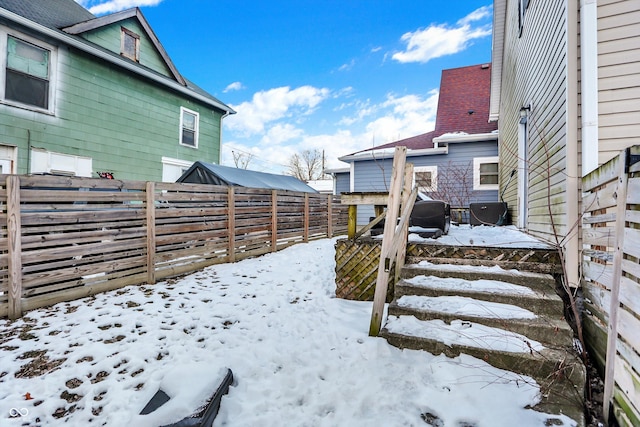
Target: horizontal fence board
{"points": [[80, 236]]}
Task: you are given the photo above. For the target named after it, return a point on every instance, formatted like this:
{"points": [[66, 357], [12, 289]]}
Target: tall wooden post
{"points": [[151, 232], [306, 218], [14, 241], [614, 307], [352, 221], [393, 207], [274, 220], [330, 216], [406, 194], [231, 219]]}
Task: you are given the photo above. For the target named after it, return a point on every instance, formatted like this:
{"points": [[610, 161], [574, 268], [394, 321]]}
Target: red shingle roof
{"points": [[463, 106], [463, 103]]}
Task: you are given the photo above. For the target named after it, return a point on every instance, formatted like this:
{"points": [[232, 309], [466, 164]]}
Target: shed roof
{"points": [[209, 173], [463, 107]]}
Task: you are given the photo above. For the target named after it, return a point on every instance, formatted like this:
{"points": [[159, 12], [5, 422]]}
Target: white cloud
{"points": [[280, 133], [408, 116], [101, 7], [274, 104], [396, 118], [440, 40], [233, 86], [348, 66]]}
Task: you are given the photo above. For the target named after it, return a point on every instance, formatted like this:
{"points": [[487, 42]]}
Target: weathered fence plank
{"points": [[15, 249], [63, 238]]}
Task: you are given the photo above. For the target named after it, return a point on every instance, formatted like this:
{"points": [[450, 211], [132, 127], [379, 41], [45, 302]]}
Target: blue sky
{"points": [[333, 75]]}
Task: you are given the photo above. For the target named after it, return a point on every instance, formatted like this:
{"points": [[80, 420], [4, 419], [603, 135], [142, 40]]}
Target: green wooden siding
{"points": [[124, 123], [109, 38]]}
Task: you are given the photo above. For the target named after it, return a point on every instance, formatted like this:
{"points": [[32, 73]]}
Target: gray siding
{"points": [[454, 168], [535, 71], [618, 76], [342, 182]]}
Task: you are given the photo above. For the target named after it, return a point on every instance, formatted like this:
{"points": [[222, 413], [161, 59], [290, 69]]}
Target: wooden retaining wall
{"points": [[611, 280], [67, 238]]}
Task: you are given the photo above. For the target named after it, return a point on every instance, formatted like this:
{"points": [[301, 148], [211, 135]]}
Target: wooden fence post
{"points": [[306, 218], [330, 216], [151, 231], [393, 207], [14, 241], [614, 307], [406, 193], [231, 214], [274, 220], [352, 222]]}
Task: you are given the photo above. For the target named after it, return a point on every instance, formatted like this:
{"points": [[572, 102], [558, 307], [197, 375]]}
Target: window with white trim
{"points": [[189, 122], [425, 178], [129, 44], [485, 173], [27, 73]]}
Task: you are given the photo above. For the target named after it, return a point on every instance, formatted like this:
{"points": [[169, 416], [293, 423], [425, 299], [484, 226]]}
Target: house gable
{"points": [[107, 32], [463, 107]]}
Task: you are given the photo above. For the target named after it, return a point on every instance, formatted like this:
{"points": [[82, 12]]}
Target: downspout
{"points": [[589, 83], [226, 114]]}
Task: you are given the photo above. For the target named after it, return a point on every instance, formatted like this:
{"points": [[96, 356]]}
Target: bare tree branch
{"points": [[306, 166]]}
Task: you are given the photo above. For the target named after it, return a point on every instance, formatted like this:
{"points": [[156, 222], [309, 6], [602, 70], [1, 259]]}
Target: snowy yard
{"points": [[300, 357]]}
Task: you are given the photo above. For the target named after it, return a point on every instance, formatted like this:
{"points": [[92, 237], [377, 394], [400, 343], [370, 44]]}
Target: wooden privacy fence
{"points": [[611, 280], [66, 238]]}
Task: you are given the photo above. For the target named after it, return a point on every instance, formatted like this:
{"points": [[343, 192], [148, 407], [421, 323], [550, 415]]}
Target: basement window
{"points": [[130, 45]]}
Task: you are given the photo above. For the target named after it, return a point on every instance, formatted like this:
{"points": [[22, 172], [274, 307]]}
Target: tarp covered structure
{"points": [[209, 173]]}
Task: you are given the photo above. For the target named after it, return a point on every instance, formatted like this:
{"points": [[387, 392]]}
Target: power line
{"points": [[254, 157]]}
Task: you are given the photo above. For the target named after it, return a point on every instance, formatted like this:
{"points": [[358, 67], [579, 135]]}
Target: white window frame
{"points": [[53, 61], [124, 32], [184, 110], [477, 162], [434, 178]]}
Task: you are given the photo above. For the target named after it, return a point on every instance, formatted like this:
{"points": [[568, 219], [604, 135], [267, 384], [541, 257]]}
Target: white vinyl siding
{"points": [[618, 76], [535, 72]]}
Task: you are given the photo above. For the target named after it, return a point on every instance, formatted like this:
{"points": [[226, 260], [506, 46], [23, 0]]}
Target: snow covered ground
{"points": [[300, 357]]}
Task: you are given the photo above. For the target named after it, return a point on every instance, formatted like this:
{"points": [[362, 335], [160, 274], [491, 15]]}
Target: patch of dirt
{"points": [[63, 412], [115, 339], [70, 397], [100, 376], [73, 383], [593, 397], [40, 365]]}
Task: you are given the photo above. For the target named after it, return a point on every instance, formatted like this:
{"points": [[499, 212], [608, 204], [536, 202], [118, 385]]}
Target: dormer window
{"points": [[130, 45]]}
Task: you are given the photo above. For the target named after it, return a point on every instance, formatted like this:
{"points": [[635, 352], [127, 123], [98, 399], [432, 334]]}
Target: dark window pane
{"points": [[26, 89], [188, 137]]}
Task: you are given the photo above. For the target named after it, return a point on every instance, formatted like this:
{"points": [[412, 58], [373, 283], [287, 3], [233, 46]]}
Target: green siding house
{"points": [[81, 95]]}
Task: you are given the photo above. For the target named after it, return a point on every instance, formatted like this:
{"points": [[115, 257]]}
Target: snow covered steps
{"points": [[511, 319]]}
